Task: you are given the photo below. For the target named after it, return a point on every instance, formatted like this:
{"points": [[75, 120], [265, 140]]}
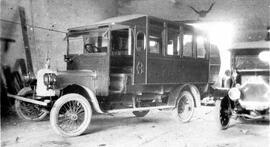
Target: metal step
{"points": [[139, 109]]}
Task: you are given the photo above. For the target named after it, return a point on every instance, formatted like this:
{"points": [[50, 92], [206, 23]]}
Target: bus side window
{"points": [[187, 45], [173, 32], [201, 47], [156, 37]]}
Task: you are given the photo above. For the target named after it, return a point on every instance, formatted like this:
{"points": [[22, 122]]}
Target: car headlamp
{"points": [[49, 80], [234, 94]]}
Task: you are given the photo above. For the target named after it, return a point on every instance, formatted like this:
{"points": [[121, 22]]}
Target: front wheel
{"points": [[185, 107], [71, 115], [225, 113], [29, 111]]}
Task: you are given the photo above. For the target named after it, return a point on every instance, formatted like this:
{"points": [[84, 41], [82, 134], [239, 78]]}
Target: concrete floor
{"points": [[155, 129]]}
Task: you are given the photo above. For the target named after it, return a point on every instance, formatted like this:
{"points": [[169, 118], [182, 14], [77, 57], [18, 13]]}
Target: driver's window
{"points": [[95, 42]]}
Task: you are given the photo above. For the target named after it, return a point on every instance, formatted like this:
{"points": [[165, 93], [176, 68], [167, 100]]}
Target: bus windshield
{"points": [[249, 60], [94, 41]]}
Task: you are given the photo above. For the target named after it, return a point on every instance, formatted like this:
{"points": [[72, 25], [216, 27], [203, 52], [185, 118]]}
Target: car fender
{"points": [[24, 91], [86, 92], [173, 96]]}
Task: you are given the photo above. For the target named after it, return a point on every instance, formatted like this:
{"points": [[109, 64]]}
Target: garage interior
{"points": [[46, 22]]}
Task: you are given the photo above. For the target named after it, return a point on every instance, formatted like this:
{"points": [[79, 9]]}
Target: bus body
{"points": [[130, 63]]}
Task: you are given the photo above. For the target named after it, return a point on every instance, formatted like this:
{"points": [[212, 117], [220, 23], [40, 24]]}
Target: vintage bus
{"points": [[130, 63]]}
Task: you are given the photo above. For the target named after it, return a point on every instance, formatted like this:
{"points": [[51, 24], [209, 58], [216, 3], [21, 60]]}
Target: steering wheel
{"points": [[90, 48]]}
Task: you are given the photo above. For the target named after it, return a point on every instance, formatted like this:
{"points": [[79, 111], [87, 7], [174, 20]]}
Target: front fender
{"points": [[24, 91], [93, 99], [86, 92]]}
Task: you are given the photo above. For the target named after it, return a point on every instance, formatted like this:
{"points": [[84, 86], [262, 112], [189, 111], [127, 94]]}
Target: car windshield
{"points": [[94, 41], [249, 59]]}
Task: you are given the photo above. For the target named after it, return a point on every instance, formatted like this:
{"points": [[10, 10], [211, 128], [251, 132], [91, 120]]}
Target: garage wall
{"points": [[49, 19], [250, 17], [47, 23]]}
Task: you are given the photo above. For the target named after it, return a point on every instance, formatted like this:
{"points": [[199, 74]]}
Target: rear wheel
{"points": [[185, 107], [224, 113], [140, 113], [71, 115], [29, 111]]}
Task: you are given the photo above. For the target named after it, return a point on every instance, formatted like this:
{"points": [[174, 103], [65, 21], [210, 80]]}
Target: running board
{"points": [[138, 109], [27, 100]]}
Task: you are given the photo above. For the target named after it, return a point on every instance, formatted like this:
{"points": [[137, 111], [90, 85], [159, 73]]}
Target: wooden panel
{"points": [[195, 70], [26, 41], [173, 70], [164, 70], [98, 62]]}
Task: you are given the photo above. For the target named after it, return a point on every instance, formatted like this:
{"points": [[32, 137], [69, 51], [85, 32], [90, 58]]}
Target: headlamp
{"points": [[234, 94], [49, 80]]}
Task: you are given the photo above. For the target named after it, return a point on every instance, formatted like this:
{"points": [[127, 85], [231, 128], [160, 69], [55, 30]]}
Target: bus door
{"points": [[139, 66]]}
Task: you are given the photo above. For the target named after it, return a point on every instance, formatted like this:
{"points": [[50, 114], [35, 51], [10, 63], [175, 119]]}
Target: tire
{"points": [[224, 113], [185, 107], [29, 111], [140, 113], [75, 111]]}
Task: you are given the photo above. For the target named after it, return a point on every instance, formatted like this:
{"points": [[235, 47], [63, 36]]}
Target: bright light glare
{"points": [[152, 43], [200, 40], [187, 39], [220, 33], [265, 56]]}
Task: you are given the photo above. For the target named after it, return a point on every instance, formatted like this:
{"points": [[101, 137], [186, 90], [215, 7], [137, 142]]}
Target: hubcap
{"points": [[73, 117], [184, 107]]}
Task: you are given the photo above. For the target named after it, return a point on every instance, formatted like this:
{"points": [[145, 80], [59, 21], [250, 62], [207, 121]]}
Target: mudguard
{"points": [[86, 92], [176, 92]]}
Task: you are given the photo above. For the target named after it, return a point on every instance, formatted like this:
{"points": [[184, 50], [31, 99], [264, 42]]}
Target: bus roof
{"points": [[251, 45], [109, 21], [114, 21]]}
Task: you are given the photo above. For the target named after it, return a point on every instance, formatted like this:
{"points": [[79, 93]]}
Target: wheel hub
{"points": [[73, 117]]}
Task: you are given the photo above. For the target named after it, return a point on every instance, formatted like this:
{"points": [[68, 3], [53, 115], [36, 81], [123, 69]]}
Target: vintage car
{"points": [[133, 63], [249, 97]]}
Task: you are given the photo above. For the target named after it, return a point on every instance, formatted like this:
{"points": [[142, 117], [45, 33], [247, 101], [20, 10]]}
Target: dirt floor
{"points": [[158, 128]]}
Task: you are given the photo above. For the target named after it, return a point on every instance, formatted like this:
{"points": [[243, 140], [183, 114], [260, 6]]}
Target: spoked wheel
{"points": [[224, 113], [71, 115], [29, 111], [140, 113], [185, 107]]}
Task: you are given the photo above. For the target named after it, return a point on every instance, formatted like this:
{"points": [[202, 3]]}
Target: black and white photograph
{"points": [[135, 73]]}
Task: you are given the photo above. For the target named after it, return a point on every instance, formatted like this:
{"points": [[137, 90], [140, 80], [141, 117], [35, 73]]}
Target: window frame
{"points": [[157, 29], [192, 45], [172, 34], [144, 41]]}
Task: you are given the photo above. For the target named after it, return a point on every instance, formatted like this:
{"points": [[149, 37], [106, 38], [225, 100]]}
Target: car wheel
{"points": [[224, 113], [71, 115], [185, 107], [29, 111]]}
